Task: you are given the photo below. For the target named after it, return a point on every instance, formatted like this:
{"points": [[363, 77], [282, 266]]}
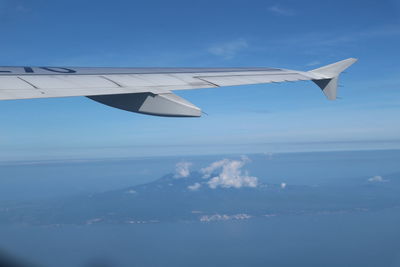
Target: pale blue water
{"points": [[345, 239], [364, 239]]}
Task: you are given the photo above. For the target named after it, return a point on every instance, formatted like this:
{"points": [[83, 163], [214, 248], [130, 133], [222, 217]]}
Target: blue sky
{"points": [[263, 118]]}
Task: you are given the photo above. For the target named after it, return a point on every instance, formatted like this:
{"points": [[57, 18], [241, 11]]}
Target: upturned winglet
{"points": [[328, 76]]}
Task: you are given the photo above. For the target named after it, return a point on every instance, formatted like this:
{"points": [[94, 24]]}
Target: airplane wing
{"points": [[149, 90]]}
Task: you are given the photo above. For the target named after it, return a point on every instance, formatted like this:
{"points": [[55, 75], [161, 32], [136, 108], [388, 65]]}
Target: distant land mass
{"points": [[192, 198]]}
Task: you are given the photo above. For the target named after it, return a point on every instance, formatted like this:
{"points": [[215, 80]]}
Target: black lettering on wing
{"points": [[59, 70], [28, 70]]}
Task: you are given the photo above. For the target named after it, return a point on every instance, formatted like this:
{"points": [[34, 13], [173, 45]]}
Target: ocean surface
{"points": [[362, 238]]}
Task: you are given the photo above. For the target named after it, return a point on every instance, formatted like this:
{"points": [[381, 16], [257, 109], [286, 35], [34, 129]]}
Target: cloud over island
{"points": [[226, 173]]}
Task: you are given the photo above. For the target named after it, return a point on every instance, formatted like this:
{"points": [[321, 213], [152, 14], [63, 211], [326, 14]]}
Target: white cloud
{"points": [[194, 187], [377, 179], [278, 10], [283, 185], [313, 63], [230, 174], [182, 169], [230, 49], [207, 171], [224, 217]]}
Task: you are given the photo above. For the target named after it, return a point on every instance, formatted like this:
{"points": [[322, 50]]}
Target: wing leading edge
{"points": [[148, 90]]}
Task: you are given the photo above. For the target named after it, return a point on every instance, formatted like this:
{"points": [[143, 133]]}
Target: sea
{"points": [[369, 238]]}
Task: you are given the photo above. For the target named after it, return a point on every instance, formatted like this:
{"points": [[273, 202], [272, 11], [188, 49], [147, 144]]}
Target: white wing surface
{"points": [[149, 90]]}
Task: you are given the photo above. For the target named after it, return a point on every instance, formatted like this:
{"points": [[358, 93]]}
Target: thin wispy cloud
{"points": [[194, 187], [21, 8], [314, 43], [13, 7], [377, 179], [313, 63], [229, 174], [335, 39], [387, 30], [280, 11], [228, 50], [182, 169]]}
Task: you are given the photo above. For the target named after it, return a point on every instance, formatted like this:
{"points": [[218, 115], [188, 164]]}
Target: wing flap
{"points": [[20, 94], [13, 83], [130, 80], [231, 80], [68, 82]]}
